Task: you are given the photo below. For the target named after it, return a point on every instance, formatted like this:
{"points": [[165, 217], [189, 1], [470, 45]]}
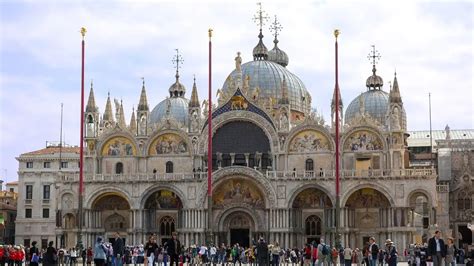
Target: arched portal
{"points": [[238, 228], [114, 212], [367, 202], [310, 205], [161, 213], [241, 143]]}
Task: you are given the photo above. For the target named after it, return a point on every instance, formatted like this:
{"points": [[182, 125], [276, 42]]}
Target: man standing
{"points": [[174, 249], [262, 252], [436, 249], [118, 248], [323, 251], [373, 251]]}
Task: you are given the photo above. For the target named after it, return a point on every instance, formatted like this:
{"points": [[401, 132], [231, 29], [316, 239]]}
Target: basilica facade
{"points": [[273, 161]]}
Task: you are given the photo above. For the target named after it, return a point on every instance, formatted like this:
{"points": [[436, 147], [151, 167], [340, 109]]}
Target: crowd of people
{"points": [[434, 253]]}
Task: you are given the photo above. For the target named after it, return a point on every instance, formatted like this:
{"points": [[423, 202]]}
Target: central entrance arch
{"points": [[240, 226]]}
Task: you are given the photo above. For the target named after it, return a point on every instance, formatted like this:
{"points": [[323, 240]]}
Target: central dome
{"points": [[268, 77]]}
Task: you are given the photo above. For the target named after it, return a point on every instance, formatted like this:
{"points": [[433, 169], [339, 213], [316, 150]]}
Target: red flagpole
{"points": [[209, 123], [81, 147], [336, 92], [209, 149]]}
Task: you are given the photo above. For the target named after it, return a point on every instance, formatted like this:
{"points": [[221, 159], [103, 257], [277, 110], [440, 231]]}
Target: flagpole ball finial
{"points": [[210, 32], [83, 32], [336, 33]]}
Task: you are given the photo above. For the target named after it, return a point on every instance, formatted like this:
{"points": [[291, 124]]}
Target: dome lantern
{"points": [[260, 52], [177, 89], [374, 82], [276, 54]]}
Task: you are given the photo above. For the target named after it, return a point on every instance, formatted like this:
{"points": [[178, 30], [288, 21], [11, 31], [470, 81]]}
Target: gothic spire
{"points": [[108, 116], [143, 104], [394, 95], [91, 106], [133, 122], [194, 96], [121, 120]]}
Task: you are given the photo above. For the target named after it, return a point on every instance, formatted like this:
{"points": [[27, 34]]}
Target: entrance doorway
{"points": [[240, 236]]}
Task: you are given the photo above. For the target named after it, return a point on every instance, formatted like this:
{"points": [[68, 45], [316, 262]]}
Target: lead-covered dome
{"points": [[268, 77], [374, 103], [176, 106]]}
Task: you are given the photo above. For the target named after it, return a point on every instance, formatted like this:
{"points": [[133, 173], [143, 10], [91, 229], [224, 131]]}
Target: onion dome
{"points": [[260, 52], [277, 55], [374, 81], [177, 89]]}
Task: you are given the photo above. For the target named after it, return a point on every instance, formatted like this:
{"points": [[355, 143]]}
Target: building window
{"points": [[169, 167], [47, 165], [45, 213], [29, 192], [26, 242], [29, 164], [309, 166], [119, 168], [313, 226], [27, 213], [12, 189], [46, 191], [167, 226], [63, 164], [44, 243]]}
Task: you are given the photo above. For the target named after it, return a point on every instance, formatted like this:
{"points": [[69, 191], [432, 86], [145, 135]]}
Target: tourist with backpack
{"points": [[323, 251]]}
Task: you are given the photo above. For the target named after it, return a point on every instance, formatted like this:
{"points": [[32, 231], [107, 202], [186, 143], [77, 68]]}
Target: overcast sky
{"points": [[428, 43]]}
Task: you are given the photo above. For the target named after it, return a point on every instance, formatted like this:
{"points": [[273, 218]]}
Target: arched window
{"points": [[119, 168], [313, 226], [309, 166], [166, 226], [169, 167], [464, 201]]}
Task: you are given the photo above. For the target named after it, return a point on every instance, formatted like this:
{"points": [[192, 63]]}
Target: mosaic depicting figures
{"points": [[238, 191], [312, 198], [363, 141], [367, 198], [168, 144], [163, 199], [110, 203], [118, 146], [309, 140]]}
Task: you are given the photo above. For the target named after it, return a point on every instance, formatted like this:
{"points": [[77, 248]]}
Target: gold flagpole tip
{"points": [[210, 33], [83, 32], [336, 33]]}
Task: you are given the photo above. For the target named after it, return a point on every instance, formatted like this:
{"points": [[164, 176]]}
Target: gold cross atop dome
{"points": [[275, 27], [261, 17], [374, 56]]}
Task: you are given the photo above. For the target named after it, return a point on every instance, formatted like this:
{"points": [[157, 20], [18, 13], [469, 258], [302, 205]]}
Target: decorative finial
{"points": [[83, 32], [275, 27], [210, 33], [143, 81], [261, 17], [390, 83], [178, 60], [375, 56], [92, 83], [336, 33], [395, 72], [108, 94], [194, 78]]}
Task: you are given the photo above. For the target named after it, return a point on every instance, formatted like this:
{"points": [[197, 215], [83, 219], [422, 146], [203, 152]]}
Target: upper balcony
{"points": [[272, 175]]}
